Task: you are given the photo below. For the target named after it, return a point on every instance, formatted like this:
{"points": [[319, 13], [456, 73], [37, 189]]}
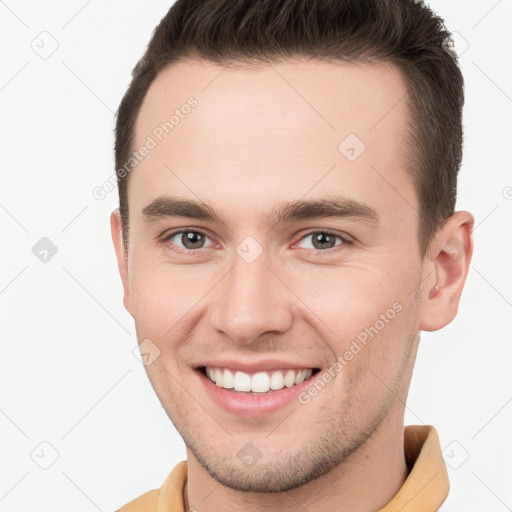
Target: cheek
{"points": [[365, 316], [162, 295], [346, 300]]}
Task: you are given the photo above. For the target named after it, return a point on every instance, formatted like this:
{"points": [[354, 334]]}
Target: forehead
{"points": [[296, 125]]}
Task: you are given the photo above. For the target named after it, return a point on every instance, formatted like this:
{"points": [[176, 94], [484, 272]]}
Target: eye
{"points": [[188, 240], [322, 240]]}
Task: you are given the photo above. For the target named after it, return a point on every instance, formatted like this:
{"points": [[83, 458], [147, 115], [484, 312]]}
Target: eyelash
{"points": [[344, 239]]}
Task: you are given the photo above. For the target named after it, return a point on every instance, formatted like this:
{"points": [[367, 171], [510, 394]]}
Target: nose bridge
{"points": [[251, 301]]}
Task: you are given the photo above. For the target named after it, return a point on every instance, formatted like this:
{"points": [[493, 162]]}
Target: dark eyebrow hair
{"points": [[318, 208], [167, 206]]}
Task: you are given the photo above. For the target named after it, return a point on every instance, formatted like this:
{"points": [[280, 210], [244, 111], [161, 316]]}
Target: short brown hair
{"points": [[405, 33]]}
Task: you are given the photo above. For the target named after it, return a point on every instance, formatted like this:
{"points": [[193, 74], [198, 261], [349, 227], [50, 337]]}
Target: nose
{"points": [[251, 301]]}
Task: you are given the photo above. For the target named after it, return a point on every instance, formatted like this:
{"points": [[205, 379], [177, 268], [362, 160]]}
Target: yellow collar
{"points": [[427, 485]]}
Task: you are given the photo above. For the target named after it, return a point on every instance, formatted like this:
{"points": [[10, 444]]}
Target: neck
{"points": [[365, 482]]}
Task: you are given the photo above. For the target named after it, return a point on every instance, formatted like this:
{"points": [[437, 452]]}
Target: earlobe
{"points": [[122, 257], [448, 265]]}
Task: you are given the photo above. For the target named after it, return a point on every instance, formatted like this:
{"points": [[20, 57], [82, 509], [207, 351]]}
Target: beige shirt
{"points": [[424, 490]]}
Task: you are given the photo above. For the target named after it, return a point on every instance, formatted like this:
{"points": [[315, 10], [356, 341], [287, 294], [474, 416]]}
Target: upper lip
{"points": [[261, 365]]}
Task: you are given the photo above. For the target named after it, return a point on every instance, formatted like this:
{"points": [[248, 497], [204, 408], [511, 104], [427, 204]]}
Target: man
{"points": [[287, 179]]}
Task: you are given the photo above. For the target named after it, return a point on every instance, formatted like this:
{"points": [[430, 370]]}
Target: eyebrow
{"points": [[291, 211]]}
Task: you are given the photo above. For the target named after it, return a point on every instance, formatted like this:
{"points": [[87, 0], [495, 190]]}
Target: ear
{"points": [[122, 257], [446, 266]]}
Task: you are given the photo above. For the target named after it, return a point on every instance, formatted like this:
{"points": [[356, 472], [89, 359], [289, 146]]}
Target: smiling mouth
{"points": [[259, 383]]}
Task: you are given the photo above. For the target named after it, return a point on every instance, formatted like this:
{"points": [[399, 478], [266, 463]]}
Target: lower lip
{"points": [[251, 406]]}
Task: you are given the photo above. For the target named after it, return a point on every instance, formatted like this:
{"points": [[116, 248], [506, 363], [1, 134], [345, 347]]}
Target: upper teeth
{"points": [[260, 382]]}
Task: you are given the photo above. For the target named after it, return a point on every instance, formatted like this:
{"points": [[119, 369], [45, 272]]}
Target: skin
{"points": [[258, 138]]}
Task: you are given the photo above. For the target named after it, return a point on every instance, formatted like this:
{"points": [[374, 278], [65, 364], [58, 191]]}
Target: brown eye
{"points": [[189, 240], [321, 241], [192, 240]]}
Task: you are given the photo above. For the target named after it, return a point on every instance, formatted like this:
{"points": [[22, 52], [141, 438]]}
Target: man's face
{"points": [[248, 285]]}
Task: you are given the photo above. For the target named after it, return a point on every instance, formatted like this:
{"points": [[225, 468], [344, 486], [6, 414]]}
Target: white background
{"points": [[68, 374]]}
